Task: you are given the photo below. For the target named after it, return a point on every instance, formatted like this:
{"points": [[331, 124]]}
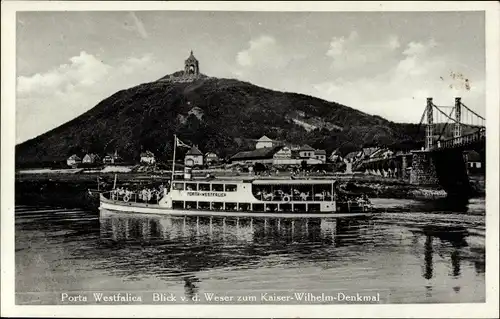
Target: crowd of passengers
{"points": [[146, 194], [280, 195], [296, 195]]}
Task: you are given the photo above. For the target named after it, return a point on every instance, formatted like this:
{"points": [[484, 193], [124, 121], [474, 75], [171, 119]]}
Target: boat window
{"points": [[299, 208], [217, 206], [231, 206], [218, 187], [314, 208], [177, 204], [204, 187], [258, 207], [230, 188], [204, 205], [191, 205], [179, 186], [271, 207], [191, 186], [244, 207]]}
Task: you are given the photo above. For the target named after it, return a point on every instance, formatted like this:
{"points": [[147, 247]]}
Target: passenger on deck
{"points": [[259, 195], [144, 194], [296, 193], [304, 196]]}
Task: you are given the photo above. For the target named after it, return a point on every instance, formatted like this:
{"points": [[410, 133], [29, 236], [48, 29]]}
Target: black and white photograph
{"points": [[252, 156]]}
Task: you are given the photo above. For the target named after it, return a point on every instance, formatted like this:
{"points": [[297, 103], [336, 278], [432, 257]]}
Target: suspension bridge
{"points": [[449, 131], [460, 127]]}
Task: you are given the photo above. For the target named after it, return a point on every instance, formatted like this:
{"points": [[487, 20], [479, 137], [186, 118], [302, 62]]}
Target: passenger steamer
{"points": [[250, 198]]}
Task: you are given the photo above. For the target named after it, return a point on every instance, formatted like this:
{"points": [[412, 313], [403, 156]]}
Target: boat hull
{"points": [[155, 209]]}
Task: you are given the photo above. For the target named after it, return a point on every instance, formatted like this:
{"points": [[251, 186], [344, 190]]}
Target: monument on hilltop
{"points": [[191, 71], [191, 66]]}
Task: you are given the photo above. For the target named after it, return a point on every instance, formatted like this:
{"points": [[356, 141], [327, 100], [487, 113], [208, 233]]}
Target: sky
{"points": [[382, 63]]}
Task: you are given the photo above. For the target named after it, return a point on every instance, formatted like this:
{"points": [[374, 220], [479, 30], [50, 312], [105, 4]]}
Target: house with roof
{"points": [[473, 159], [263, 155], [91, 158], [193, 157], [379, 153], [320, 155], [111, 158], [148, 158], [73, 161], [265, 142], [306, 151], [368, 151], [211, 158], [284, 156], [108, 159]]}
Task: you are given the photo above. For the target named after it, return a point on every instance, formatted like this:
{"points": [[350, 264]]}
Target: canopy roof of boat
{"points": [[262, 181], [293, 181]]}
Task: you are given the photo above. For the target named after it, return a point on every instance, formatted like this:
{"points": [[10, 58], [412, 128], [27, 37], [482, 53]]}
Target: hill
{"points": [[222, 115]]}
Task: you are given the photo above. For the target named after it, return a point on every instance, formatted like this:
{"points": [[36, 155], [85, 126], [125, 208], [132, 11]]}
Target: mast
{"points": [[173, 162]]}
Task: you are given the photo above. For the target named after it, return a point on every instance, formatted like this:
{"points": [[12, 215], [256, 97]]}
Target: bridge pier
{"points": [[423, 169], [444, 168], [452, 172]]}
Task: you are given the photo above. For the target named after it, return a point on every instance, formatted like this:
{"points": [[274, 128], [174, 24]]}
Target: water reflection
{"points": [[454, 237], [118, 227], [181, 246], [428, 258], [430, 254]]}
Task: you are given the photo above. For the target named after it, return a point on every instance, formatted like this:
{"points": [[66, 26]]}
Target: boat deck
{"points": [[132, 207]]}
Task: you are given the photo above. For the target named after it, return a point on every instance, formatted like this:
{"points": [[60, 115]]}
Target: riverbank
{"points": [[372, 185], [71, 189], [83, 175]]}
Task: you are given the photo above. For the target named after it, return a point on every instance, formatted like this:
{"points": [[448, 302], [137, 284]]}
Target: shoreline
{"points": [[371, 185]]}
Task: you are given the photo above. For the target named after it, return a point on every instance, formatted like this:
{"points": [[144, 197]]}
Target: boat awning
{"points": [[294, 182]]}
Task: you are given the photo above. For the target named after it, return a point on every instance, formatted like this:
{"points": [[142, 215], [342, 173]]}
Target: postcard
{"points": [[233, 159]]}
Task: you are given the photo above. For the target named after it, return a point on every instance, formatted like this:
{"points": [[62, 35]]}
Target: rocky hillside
{"points": [[223, 115]]}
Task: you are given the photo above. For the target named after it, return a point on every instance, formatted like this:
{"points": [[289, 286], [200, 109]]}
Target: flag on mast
{"points": [[180, 143]]}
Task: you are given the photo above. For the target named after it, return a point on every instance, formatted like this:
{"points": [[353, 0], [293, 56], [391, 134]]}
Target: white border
{"points": [[488, 309]]}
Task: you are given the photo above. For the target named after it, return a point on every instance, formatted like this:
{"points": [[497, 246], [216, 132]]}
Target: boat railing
{"points": [[287, 198], [148, 197]]}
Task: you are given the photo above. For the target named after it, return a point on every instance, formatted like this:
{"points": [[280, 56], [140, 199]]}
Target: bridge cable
{"points": [[445, 125], [437, 108], [482, 118], [419, 124]]}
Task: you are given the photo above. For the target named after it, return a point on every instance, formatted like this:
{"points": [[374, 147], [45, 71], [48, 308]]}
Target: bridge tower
{"points": [[457, 128], [429, 130]]}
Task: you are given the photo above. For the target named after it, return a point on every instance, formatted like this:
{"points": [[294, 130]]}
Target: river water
{"points": [[418, 253]]}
